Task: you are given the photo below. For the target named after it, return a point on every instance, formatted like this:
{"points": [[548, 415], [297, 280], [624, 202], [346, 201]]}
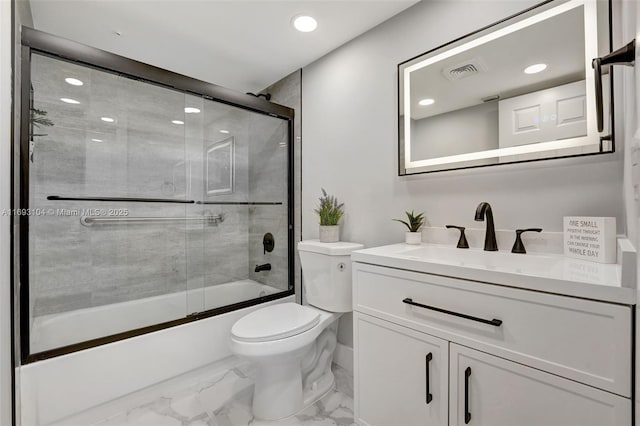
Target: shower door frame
{"points": [[71, 51]]}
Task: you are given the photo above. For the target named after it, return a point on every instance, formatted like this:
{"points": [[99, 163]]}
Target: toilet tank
{"points": [[326, 274]]}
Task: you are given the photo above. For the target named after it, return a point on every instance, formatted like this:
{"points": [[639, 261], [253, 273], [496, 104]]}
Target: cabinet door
{"points": [[401, 375], [491, 391]]}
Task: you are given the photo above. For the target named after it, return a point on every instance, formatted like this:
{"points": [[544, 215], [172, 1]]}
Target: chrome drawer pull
{"points": [[494, 322]]}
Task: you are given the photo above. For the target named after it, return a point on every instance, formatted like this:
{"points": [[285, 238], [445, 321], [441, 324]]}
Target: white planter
{"points": [[329, 234], [413, 237]]}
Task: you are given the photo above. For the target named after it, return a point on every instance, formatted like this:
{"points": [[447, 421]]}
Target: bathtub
{"points": [[56, 388], [61, 329]]}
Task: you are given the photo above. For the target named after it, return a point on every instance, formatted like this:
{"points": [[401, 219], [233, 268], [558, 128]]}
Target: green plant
{"points": [[415, 221], [329, 210], [39, 119]]}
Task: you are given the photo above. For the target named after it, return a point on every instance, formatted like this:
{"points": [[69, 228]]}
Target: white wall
{"points": [[5, 203], [627, 94], [350, 143]]}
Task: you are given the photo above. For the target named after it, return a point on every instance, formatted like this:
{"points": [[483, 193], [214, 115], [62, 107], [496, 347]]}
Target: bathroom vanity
{"points": [[444, 336]]}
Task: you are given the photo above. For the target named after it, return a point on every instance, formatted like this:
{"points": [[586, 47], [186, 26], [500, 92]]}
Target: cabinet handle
{"points": [[428, 359], [494, 322], [467, 413]]}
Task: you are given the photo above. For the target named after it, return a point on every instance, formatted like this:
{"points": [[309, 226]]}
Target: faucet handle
{"points": [[462, 242], [518, 247]]}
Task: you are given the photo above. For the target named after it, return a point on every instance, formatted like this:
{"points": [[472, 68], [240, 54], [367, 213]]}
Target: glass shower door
{"points": [[150, 206], [109, 184]]}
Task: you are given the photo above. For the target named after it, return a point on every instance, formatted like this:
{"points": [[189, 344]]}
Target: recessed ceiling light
{"points": [[107, 119], [97, 140], [69, 101], [73, 81], [191, 110], [177, 122], [305, 23], [425, 102], [536, 68], [224, 131]]}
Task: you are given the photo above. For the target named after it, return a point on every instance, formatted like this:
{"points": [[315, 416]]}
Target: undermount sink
{"points": [[508, 262], [553, 273]]}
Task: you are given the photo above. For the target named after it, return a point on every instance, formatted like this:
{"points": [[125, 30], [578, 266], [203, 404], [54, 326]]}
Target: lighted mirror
{"points": [[519, 90]]}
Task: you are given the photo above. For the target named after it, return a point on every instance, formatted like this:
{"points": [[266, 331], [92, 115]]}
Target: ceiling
{"points": [[240, 44]]}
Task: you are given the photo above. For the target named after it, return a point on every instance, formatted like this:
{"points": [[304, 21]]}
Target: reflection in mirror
{"points": [[520, 90]]}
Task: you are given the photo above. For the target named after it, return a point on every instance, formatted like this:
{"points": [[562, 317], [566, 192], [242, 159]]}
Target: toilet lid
{"points": [[275, 322]]}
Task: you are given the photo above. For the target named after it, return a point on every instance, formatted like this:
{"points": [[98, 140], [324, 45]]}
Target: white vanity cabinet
{"points": [[402, 375], [501, 356], [488, 390]]}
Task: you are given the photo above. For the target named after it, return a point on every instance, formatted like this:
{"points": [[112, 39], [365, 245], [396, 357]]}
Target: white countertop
{"points": [[551, 273]]}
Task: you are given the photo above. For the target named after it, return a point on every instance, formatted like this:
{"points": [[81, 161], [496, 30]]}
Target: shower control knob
{"points": [[341, 266]]}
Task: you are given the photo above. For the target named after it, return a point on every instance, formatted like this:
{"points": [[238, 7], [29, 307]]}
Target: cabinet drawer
{"points": [[583, 340]]}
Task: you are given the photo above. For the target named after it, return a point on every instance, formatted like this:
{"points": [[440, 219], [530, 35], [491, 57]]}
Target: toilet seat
{"points": [[275, 322]]}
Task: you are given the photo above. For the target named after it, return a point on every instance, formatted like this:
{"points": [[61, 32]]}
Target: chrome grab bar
{"points": [[100, 220]]}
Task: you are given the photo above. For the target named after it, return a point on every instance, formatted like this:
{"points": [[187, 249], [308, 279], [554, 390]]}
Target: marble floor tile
{"points": [[225, 400]]}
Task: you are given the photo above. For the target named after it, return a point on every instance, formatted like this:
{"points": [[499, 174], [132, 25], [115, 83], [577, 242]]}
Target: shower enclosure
{"points": [[147, 199]]}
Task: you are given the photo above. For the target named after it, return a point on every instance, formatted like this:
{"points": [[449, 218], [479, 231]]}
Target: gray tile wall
{"points": [[288, 92], [144, 155]]}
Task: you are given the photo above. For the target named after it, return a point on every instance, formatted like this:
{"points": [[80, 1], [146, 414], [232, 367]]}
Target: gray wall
{"points": [[350, 125], [6, 31], [442, 135]]}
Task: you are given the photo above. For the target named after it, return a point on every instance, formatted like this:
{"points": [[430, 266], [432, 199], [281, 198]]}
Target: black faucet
{"points": [[265, 267], [484, 210]]}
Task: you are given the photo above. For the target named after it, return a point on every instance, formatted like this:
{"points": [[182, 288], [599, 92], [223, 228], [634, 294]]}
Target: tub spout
{"points": [[265, 267]]}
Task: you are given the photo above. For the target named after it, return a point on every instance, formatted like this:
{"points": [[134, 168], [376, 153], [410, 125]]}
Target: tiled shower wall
{"points": [[288, 92], [74, 266]]}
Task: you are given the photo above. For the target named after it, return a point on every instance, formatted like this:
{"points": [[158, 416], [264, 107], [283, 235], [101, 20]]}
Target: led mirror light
{"points": [[177, 122], [96, 140], [535, 68], [305, 24], [73, 81], [224, 131], [425, 102], [69, 101], [191, 110], [107, 119]]}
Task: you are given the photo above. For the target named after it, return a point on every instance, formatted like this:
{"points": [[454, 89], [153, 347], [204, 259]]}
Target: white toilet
{"points": [[292, 345]]}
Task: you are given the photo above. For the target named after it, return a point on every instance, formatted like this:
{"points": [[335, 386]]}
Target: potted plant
{"points": [[330, 213], [414, 223]]}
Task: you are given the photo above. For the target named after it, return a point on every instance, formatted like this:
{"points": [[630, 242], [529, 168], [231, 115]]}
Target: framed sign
{"points": [[590, 238]]}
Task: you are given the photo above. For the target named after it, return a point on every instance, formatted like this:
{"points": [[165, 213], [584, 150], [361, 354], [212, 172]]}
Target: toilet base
{"points": [[287, 384], [325, 385]]}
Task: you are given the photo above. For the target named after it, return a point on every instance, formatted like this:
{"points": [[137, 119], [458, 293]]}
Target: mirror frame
{"points": [[508, 25]]}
